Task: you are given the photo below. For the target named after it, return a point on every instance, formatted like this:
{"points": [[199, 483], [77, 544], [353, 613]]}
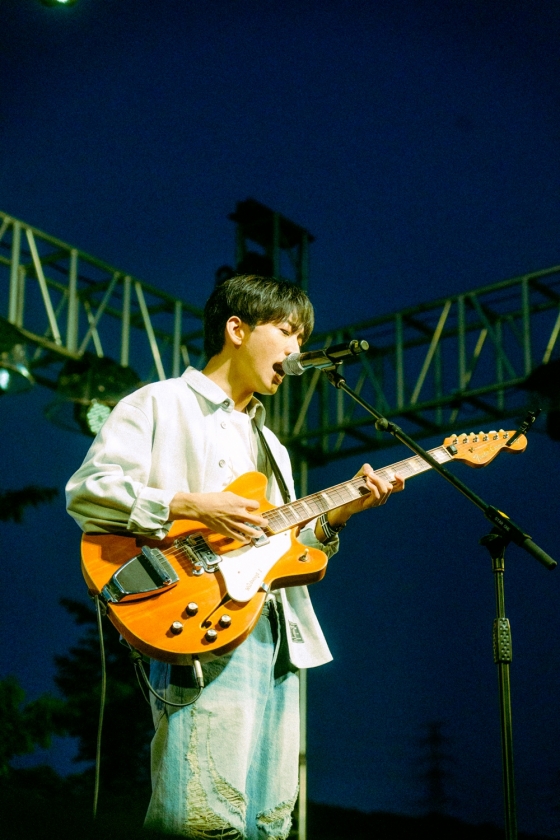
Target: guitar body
{"points": [[235, 589], [198, 592]]}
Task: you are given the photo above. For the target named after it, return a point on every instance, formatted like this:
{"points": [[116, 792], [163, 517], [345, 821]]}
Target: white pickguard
{"points": [[245, 569]]}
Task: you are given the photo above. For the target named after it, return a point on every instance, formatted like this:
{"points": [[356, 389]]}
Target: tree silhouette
{"points": [[14, 502], [23, 728]]}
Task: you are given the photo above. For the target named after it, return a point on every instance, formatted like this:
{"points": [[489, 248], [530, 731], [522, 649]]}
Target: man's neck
{"points": [[221, 372]]}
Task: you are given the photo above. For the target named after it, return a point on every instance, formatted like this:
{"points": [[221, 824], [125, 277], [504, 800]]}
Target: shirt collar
{"points": [[214, 394]]}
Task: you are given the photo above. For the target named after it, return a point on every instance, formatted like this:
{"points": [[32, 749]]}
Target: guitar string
{"points": [[287, 516]]}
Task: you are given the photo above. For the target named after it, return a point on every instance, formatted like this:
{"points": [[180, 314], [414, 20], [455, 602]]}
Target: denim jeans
{"points": [[227, 766]]}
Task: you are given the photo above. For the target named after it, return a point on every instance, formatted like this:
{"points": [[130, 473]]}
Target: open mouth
{"points": [[278, 369]]}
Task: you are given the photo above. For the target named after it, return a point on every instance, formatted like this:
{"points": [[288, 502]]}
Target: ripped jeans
{"points": [[227, 766]]}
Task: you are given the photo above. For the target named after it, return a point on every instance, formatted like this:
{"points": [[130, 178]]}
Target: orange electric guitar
{"points": [[197, 591]]}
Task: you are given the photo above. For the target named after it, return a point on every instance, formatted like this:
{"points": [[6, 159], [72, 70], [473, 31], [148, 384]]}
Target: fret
{"points": [[302, 510], [282, 518], [440, 454], [318, 503], [287, 516], [308, 511]]}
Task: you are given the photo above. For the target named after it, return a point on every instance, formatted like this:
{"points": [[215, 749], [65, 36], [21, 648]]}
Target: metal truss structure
{"points": [[66, 303], [455, 364]]}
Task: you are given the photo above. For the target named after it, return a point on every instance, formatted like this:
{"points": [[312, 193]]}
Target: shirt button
{"points": [[221, 463], [225, 404], [223, 424]]}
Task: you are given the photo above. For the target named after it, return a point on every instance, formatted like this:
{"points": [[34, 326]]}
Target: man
{"points": [[226, 766]]}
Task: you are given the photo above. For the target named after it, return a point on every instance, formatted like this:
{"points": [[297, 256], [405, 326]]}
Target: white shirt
{"points": [[175, 436]]}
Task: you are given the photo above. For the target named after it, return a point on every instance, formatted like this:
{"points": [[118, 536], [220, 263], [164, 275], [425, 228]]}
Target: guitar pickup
{"points": [[144, 575], [202, 556]]}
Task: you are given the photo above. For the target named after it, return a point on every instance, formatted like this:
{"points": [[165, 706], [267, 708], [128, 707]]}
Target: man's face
{"points": [[263, 350]]}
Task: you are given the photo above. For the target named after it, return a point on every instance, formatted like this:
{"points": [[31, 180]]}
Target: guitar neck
{"points": [[295, 513]]}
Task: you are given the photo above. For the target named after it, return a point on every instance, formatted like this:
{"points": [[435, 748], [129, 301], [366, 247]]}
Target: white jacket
{"points": [[170, 437]]}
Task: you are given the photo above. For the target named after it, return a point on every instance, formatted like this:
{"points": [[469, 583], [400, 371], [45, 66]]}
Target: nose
{"points": [[292, 346]]}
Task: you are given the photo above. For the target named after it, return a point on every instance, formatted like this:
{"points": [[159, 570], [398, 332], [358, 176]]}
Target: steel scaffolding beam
{"points": [[66, 303], [453, 364]]}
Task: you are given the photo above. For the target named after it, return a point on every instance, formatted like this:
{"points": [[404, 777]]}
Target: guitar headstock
{"points": [[478, 449]]}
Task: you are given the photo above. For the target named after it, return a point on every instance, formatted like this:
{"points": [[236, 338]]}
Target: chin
{"points": [[267, 390]]}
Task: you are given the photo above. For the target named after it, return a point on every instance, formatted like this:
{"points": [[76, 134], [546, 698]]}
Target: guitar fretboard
{"points": [[288, 516]]}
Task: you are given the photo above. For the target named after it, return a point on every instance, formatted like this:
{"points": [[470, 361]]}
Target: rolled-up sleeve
{"points": [[110, 491]]}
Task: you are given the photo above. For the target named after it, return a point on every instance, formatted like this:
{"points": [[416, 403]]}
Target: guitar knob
{"points": [[225, 621], [211, 635], [192, 608], [177, 627]]}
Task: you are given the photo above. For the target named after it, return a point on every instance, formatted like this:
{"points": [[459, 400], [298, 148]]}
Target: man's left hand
{"points": [[380, 490]]}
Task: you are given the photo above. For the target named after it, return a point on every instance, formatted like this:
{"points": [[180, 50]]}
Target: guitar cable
{"points": [[143, 680], [101, 704], [140, 672]]}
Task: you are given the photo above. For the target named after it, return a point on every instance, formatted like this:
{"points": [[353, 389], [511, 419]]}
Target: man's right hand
{"points": [[225, 513]]}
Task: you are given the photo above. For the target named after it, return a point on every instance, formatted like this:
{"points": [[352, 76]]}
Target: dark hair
{"points": [[256, 300]]}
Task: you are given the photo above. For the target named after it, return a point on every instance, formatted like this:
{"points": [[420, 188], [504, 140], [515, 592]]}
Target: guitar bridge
{"points": [[200, 553], [146, 574]]}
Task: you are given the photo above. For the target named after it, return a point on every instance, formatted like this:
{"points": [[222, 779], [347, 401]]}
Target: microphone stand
{"points": [[503, 532]]}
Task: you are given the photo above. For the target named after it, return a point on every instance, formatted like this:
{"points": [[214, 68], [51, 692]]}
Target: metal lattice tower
{"points": [[284, 246]]}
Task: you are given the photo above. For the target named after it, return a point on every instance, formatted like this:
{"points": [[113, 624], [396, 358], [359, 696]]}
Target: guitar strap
{"points": [[275, 468]]}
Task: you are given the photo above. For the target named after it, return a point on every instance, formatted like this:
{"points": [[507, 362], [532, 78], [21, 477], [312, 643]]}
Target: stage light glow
{"points": [[58, 2], [15, 375], [87, 390]]}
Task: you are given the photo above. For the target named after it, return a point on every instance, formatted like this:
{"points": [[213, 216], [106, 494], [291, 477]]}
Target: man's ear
{"points": [[235, 330]]}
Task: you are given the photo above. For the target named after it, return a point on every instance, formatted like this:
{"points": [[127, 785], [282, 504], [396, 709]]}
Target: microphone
{"points": [[296, 363]]}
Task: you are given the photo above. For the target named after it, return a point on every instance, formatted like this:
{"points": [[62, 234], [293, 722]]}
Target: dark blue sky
{"points": [[418, 141]]}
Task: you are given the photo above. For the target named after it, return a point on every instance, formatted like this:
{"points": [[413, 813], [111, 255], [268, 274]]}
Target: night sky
{"points": [[419, 143]]}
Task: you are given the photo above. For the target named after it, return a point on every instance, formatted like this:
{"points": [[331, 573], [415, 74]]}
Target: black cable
{"points": [[139, 669], [101, 705]]}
